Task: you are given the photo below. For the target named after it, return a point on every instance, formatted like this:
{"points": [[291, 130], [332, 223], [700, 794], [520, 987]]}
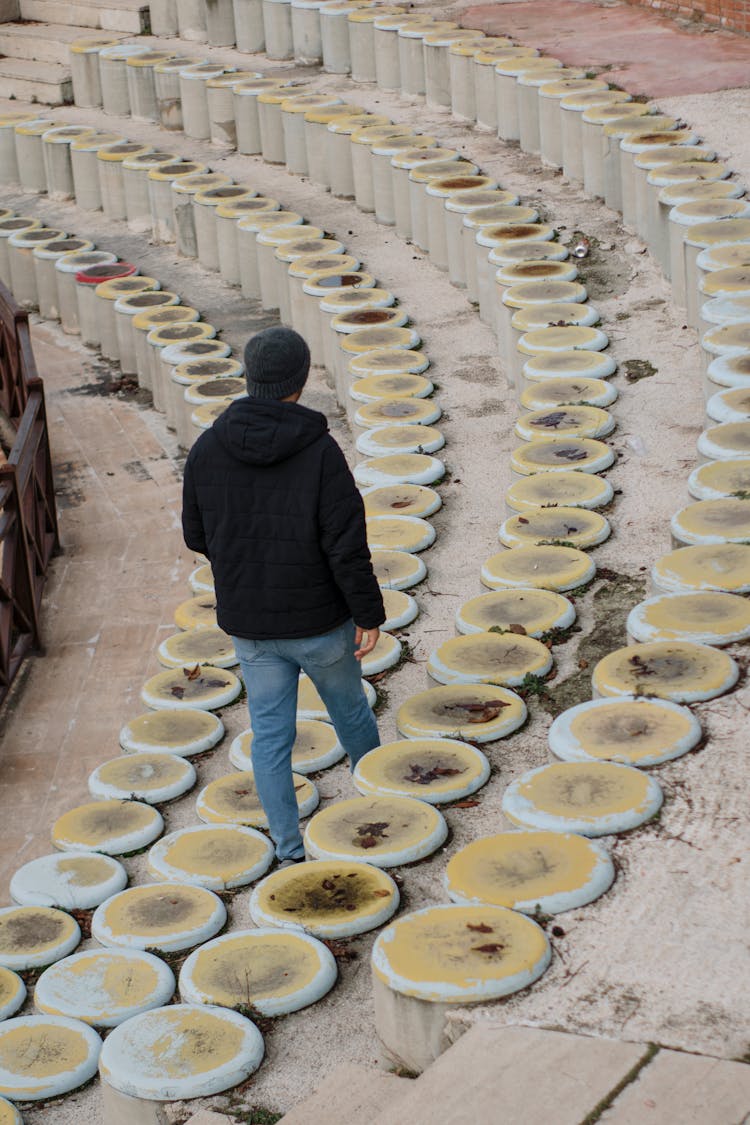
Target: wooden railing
{"points": [[28, 521]]}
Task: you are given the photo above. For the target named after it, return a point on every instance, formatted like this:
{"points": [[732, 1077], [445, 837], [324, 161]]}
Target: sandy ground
{"points": [[660, 957]]}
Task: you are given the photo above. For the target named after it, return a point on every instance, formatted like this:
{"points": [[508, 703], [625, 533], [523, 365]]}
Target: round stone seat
{"points": [[565, 421], [399, 468], [557, 455], [386, 654], [570, 488], [104, 987], [492, 658], [546, 872], [400, 609], [548, 394], [451, 954], [204, 686], [34, 936], [274, 971], [708, 522], [43, 1057], [112, 827], [383, 831], [209, 645], [218, 857], [397, 412], [233, 799], [399, 533], [70, 881], [202, 580], [575, 527], [717, 480], [480, 712], [325, 898], [434, 770], [678, 670], [196, 613], [397, 570], [181, 1051], [633, 731], [373, 388], [380, 441], [187, 732], [708, 617], [152, 778], [166, 917], [12, 994], [725, 566], [316, 747], [401, 499], [9, 1115], [540, 567], [591, 798], [727, 441], [530, 612]]}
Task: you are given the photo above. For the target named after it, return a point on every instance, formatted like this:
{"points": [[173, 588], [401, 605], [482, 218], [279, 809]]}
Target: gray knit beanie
{"points": [[277, 361]]}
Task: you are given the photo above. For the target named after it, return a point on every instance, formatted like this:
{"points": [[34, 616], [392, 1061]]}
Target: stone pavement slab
{"points": [[350, 1095], [644, 52], [507, 1075], [689, 1089]]}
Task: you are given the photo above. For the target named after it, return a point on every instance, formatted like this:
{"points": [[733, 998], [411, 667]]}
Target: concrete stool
{"points": [[668, 185], [247, 122], [221, 106], [135, 172], [56, 155], [113, 76], [139, 72], [488, 54], [593, 120], [8, 160], [45, 275], [107, 295], [401, 165], [66, 268], [20, 250], [227, 217], [32, 171], [126, 309], [84, 69], [572, 108], [293, 112], [678, 671], [248, 26], [362, 142], [508, 71], [191, 20], [529, 83], [155, 317], [194, 97], [111, 177], [551, 96], [167, 90], [86, 282], [362, 40], [183, 188], [419, 178], [277, 29], [339, 155], [160, 182], [248, 229]]}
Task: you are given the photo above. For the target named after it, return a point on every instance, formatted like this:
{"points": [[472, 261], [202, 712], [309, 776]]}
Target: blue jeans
{"points": [[271, 671]]}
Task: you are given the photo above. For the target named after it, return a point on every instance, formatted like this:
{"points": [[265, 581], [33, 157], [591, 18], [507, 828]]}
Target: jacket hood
{"points": [[265, 432]]}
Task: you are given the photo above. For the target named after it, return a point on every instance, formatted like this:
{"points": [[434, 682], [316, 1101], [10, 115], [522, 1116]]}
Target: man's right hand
{"points": [[364, 641]]}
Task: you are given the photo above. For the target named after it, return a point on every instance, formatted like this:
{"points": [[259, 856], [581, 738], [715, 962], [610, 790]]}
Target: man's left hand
{"points": [[364, 641]]}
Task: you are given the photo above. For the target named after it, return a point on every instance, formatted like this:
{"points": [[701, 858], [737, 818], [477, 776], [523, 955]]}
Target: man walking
{"points": [[269, 499]]}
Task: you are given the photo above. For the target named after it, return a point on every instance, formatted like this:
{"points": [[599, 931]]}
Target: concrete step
{"points": [[351, 1095], [535, 1076], [29, 80], [43, 42], [130, 16], [691, 1089]]}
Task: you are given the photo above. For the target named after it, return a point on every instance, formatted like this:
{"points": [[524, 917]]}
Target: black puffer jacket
{"points": [[269, 498]]}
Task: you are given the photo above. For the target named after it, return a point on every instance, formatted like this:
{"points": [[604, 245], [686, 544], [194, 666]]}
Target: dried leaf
{"points": [[570, 453], [366, 842], [516, 628], [490, 947], [177, 691], [401, 504], [192, 673], [382, 893], [377, 828], [327, 885], [418, 775], [479, 928], [470, 803]]}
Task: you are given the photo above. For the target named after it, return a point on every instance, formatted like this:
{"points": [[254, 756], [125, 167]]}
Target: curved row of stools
{"points": [[679, 198], [394, 960]]}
